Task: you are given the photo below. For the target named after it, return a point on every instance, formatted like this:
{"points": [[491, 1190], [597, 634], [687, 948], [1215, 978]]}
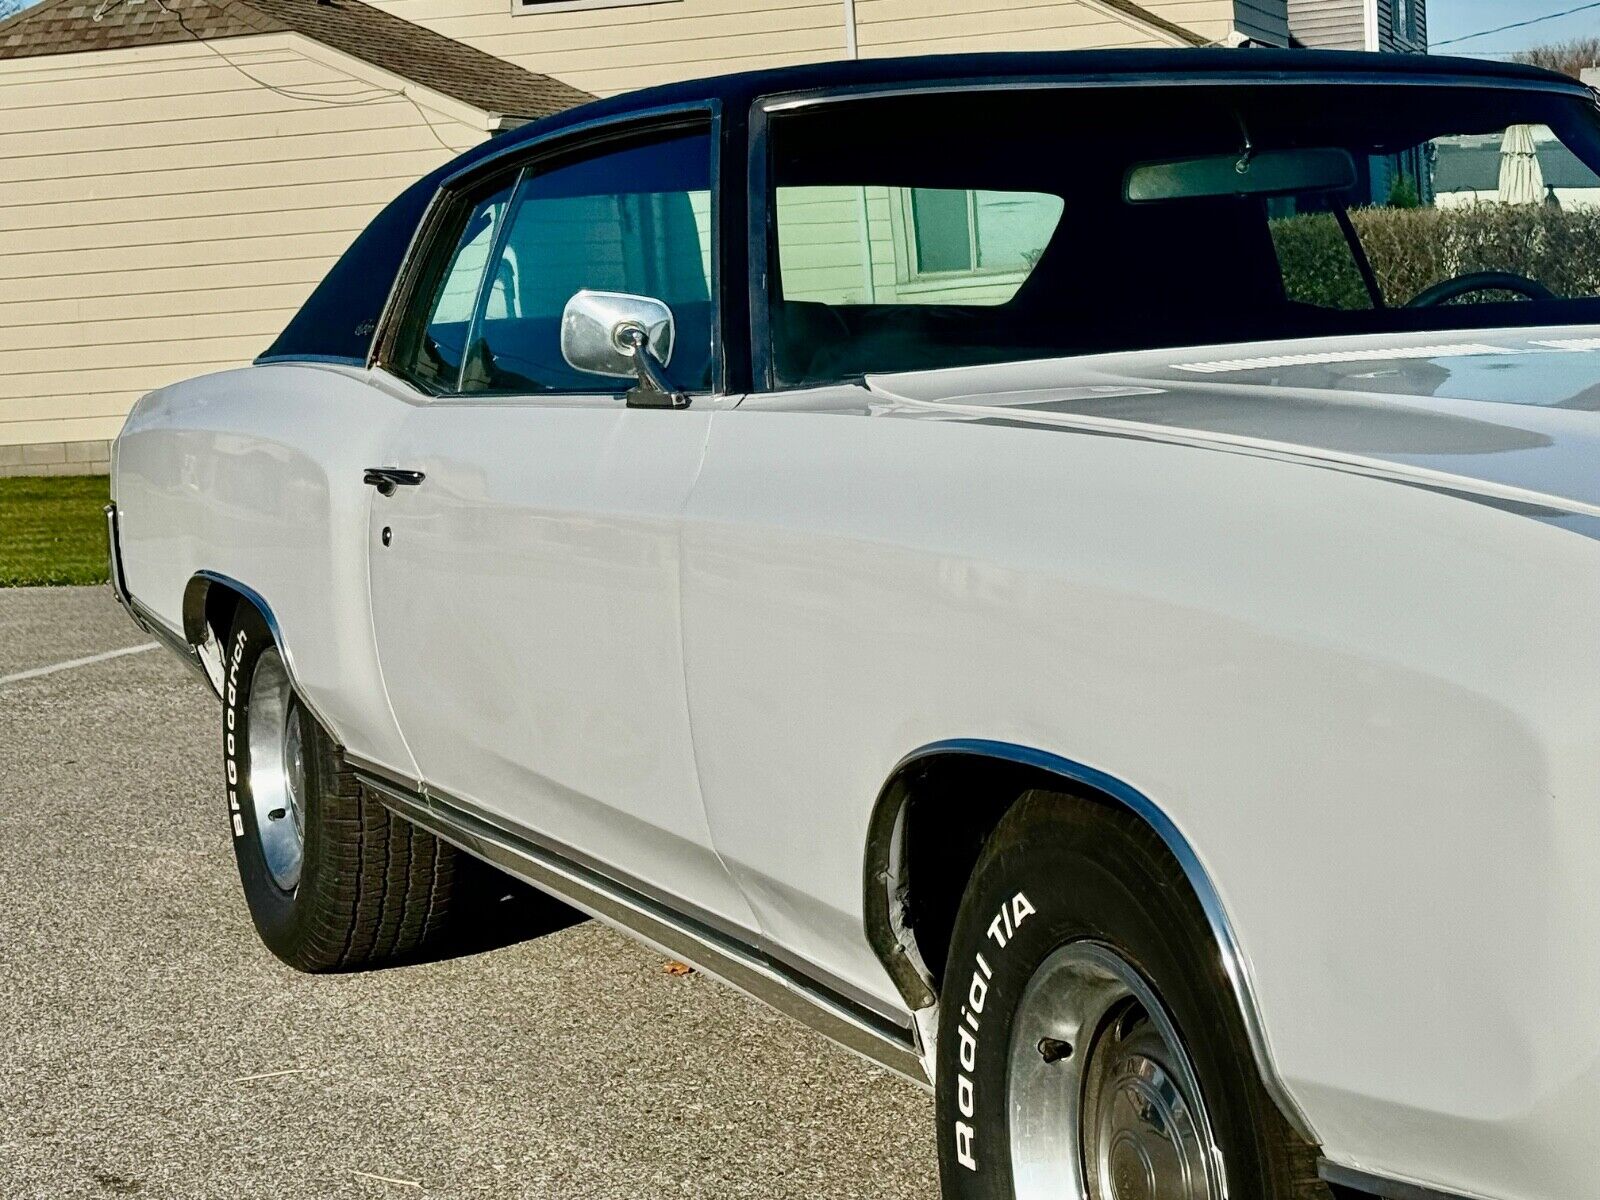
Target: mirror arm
{"points": [[655, 390]]}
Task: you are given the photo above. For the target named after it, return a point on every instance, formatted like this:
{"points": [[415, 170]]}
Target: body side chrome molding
{"points": [[1367, 1184], [895, 945], [706, 943]]}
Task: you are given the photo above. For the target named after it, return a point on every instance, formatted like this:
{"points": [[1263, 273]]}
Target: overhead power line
{"points": [[1467, 37], [363, 96]]}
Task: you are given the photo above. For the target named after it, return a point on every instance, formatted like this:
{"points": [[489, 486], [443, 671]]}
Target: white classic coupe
{"points": [[1025, 563]]}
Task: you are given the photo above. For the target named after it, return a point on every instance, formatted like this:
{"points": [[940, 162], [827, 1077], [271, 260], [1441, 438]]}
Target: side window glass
{"points": [[454, 294], [635, 219]]}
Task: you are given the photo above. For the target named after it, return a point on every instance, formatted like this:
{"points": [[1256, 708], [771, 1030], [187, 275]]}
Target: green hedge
{"points": [[1413, 249]]}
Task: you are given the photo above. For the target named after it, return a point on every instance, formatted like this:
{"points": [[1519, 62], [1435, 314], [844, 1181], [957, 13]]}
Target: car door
{"points": [[524, 561]]}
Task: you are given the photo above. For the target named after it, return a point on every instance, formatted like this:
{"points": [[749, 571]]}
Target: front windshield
{"points": [[919, 232]]}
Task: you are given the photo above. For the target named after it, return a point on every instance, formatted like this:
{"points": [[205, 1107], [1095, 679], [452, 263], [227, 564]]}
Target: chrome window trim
{"points": [[711, 944], [523, 157], [789, 101], [896, 948]]}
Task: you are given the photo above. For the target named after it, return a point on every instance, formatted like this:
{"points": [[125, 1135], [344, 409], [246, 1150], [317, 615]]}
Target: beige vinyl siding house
{"points": [[606, 47], [166, 203], [162, 215], [165, 207]]}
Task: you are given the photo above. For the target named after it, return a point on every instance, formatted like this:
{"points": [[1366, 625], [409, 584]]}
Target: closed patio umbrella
{"points": [[1521, 178]]}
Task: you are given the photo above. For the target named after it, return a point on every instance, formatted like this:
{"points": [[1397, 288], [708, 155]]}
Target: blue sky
{"points": [[1451, 18]]}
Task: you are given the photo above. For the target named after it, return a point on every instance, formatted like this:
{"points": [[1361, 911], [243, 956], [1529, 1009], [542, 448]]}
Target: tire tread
{"points": [[376, 889]]}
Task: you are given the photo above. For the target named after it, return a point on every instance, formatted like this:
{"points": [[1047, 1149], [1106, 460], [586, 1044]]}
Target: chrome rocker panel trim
{"points": [[715, 951], [1350, 1182]]}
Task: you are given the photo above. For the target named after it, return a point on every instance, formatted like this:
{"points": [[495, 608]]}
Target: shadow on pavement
{"points": [[491, 910]]}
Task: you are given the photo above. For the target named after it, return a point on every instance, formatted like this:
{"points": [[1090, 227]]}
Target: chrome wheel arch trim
{"points": [[206, 643], [885, 895]]}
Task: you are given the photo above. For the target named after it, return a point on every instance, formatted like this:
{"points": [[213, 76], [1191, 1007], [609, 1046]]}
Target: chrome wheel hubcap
{"points": [[1103, 1099], [277, 770]]}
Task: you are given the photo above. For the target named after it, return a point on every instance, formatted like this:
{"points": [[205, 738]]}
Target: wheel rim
{"points": [[277, 770], [1103, 1100]]}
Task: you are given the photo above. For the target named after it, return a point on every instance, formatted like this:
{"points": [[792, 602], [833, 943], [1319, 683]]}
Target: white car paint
{"points": [[527, 616], [1333, 613]]}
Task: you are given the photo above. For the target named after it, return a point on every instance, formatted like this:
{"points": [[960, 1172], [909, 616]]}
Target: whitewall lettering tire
{"points": [[1088, 1043], [334, 881]]}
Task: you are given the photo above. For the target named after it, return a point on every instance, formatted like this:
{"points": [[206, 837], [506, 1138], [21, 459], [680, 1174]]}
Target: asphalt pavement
{"points": [[149, 1045]]}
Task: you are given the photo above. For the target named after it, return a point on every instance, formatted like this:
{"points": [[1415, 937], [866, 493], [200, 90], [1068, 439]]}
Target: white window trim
{"points": [[522, 8]]}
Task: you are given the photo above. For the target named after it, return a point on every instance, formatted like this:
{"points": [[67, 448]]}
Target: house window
{"points": [[525, 7], [942, 230], [967, 232], [1405, 19]]}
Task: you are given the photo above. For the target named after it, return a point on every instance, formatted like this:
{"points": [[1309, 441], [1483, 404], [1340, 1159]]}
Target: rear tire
{"points": [[1089, 1043], [333, 879]]}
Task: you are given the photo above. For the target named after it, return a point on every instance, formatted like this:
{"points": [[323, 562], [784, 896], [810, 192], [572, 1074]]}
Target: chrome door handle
{"points": [[386, 479]]}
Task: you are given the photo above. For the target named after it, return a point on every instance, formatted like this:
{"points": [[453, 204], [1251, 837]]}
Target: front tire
{"points": [[334, 880], [1089, 1044]]}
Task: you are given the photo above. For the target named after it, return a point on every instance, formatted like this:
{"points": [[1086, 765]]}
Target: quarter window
{"points": [[442, 338]]}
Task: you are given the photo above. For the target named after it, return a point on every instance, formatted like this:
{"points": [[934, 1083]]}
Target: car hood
{"points": [[1508, 414]]}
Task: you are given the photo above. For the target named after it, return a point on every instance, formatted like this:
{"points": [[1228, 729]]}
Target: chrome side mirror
{"points": [[622, 337]]}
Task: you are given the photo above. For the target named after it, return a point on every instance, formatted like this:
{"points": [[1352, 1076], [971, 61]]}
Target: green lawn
{"points": [[53, 530]]}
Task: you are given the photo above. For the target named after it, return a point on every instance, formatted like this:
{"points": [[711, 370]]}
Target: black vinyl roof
{"points": [[1291, 66], [337, 321]]}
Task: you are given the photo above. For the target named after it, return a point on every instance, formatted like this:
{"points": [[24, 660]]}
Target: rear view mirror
{"points": [[1268, 173]]}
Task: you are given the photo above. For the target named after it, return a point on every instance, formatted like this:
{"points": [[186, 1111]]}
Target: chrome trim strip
{"points": [[880, 879], [337, 360], [381, 775], [714, 950], [142, 616], [778, 102], [196, 632], [709, 107], [1376, 1185], [114, 552]]}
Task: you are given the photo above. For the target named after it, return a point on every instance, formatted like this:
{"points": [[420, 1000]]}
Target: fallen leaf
{"points": [[678, 968]]}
